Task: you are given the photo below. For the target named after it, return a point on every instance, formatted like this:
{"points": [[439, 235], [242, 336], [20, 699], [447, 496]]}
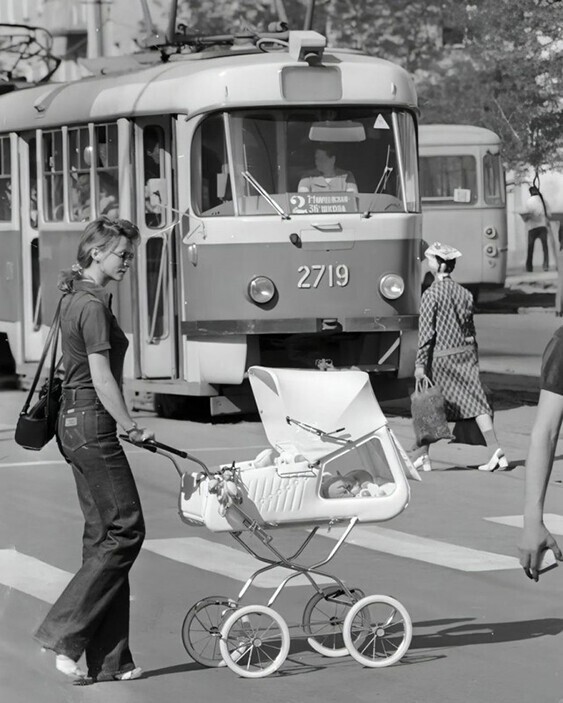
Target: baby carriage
{"points": [[332, 460]]}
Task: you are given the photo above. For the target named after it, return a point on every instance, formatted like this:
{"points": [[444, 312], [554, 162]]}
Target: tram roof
{"points": [[455, 135], [198, 83]]}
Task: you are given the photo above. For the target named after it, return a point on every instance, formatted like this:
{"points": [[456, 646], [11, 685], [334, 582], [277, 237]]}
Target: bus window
{"points": [[493, 181], [107, 171], [80, 188], [153, 167], [5, 180], [53, 172], [442, 176], [32, 165]]}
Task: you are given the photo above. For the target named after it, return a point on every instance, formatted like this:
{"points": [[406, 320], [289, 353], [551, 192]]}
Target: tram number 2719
{"points": [[311, 276]]}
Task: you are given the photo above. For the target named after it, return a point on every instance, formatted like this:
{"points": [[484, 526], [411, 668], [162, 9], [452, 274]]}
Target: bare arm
{"points": [[110, 394], [543, 440]]}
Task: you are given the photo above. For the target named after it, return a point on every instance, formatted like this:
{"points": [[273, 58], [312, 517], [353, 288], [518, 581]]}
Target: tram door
{"points": [[33, 332], [156, 258]]}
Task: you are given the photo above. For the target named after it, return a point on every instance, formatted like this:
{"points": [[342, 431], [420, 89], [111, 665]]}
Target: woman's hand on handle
{"points": [[138, 435], [419, 373], [536, 539]]}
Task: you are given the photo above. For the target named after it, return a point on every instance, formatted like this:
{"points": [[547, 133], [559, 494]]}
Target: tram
{"points": [[246, 257], [463, 198]]}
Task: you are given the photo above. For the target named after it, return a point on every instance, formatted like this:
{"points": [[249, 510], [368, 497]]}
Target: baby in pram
{"points": [[357, 483]]}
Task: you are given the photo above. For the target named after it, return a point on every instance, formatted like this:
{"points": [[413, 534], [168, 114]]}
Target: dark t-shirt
{"points": [[88, 326], [551, 378]]}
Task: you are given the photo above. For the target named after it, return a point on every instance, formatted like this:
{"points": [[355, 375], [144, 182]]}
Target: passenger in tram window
{"points": [[5, 200], [326, 176], [108, 195], [33, 207], [80, 196], [91, 616], [153, 142]]}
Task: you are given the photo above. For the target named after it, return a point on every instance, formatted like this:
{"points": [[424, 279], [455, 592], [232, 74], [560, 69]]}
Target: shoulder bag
{"points": [[37, 424]]}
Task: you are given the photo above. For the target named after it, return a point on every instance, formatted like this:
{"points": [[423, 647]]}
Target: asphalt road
{"points": [[482, 631]]}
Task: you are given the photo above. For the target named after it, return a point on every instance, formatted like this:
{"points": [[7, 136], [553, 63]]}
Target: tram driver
{"points": [[327, 176]]}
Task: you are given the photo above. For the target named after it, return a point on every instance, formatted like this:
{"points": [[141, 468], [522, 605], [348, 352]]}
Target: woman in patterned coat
{"points": [[447, 353]]}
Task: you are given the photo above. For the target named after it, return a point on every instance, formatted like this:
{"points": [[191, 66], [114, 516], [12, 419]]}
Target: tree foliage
{"points": [[493, 63]]}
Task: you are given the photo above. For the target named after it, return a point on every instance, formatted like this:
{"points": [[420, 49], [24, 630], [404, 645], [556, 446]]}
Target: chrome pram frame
{"points": [[253, 640]]}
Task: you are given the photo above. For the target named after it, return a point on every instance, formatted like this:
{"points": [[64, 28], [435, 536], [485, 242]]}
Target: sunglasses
{"points": [[125, 256]]}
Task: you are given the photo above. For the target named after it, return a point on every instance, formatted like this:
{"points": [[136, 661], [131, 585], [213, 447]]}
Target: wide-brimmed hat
{"points": [[444, 251]]}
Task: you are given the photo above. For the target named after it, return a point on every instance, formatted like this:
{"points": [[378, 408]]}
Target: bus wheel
{"points": [[180, 407]]}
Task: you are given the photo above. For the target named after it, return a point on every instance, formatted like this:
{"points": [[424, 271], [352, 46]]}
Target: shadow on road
{"points": [[472, 633]]}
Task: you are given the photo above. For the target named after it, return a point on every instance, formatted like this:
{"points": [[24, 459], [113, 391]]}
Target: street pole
{"points": [[95, 29]]}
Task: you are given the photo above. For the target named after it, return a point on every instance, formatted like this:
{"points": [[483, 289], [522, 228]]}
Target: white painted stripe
{"points": [[401, 544], [31, 463], [553, 522], [223, 560], [32, 576]]}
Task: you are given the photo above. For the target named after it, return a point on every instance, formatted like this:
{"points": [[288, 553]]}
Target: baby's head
{"points": [[349, 485]]}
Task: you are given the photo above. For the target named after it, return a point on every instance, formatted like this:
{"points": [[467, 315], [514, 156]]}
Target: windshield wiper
{"points": [[249, 178], [387, 171]]}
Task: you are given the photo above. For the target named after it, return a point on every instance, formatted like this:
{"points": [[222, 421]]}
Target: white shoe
{"points": [[497, 461], [423, 462]]}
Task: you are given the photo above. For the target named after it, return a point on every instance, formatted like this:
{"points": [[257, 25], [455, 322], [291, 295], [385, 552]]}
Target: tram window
{"points": [[153, 167], [5, 180], [410, 162], [157, 287], [107, 171], [80, 188], [32, 165], [53, 173], [492, 176], [441, 176], [210, 171]]}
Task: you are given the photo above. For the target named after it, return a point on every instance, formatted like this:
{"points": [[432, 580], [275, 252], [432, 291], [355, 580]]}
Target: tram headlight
{"points": [[261, 290], [392, 286], [491, 250], [490, 232]]}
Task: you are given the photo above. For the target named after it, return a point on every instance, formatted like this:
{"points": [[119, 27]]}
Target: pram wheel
{"points": [[254, 641], [323, 620], [377, 631], [201, 629]]}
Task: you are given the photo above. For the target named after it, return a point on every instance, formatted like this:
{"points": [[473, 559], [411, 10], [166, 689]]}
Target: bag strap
{"points": [[53, 335]]}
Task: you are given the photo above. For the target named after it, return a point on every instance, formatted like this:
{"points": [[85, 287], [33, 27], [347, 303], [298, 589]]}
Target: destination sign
{"points": [[322, 203]]}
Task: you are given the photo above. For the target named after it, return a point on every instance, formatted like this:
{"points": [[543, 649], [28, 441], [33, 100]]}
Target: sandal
{"points": [[129, 675]]}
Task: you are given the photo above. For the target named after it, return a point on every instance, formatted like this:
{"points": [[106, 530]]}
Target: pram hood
{"points": [[323, 400]]}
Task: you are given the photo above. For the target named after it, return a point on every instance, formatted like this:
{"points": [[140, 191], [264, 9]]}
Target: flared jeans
{"points": [[92, 613]]}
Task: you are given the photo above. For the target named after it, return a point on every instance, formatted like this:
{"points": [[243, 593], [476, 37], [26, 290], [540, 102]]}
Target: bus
{"points": [[239, 264], [463, 196]]}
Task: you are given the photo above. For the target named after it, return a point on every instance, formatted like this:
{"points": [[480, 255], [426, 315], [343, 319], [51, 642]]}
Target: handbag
{"points": [[36, 426], [428, 413]]}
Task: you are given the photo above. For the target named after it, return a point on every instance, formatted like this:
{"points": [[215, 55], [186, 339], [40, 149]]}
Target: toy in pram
{"points": [[333, 459]]}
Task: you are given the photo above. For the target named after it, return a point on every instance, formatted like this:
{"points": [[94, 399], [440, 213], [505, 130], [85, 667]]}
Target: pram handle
{"points": [[153, 446]]}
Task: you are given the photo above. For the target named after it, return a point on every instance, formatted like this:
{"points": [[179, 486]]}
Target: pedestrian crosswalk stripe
{"points": [[32, 576], [553, 522], [401, 544], [223, 560]]}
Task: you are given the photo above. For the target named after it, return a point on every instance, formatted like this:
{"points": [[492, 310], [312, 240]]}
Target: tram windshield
{"points": [[305, 161]]}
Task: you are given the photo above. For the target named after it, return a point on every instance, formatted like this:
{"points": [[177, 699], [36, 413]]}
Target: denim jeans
{"points": [[92, 613]]}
